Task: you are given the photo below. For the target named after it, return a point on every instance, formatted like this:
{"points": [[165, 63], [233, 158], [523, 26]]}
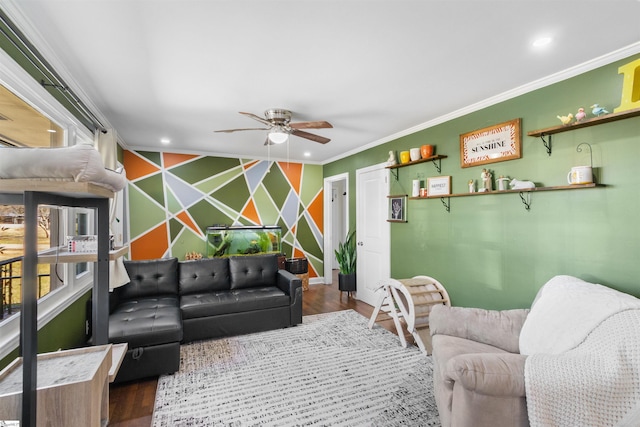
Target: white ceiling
{"points": [[181, 69]]}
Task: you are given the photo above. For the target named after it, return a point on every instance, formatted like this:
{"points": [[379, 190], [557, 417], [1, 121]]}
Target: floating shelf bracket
{"points": [[447, 204], [579, 150], [526, 200], [547, 145], [437, 165]]}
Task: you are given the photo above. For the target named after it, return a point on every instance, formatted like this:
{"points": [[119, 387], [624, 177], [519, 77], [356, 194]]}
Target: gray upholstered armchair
{"points": [[478, 371], [572, 359]]}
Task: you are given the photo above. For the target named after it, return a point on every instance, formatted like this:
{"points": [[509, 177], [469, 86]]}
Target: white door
{"points": [[372, 231]]}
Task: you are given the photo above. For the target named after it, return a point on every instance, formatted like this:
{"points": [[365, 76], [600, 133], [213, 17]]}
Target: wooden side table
{"points": [[72, 386]]}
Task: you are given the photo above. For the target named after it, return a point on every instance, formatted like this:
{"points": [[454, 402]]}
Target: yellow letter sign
{"points": [[630, 86]]}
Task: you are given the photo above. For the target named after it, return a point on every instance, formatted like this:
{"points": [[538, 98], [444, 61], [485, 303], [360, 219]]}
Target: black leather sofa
{"points": [[168, 302]]}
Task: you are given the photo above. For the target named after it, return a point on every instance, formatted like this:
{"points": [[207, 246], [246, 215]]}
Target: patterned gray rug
{"points": [[330, 371]]}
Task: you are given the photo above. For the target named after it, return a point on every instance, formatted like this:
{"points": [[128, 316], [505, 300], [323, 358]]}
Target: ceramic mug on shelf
{"points": [[414, 154], [426, 151], [580, 175], [404, 157]]}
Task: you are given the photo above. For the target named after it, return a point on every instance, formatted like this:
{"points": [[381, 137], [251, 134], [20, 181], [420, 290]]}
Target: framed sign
{"points": [[438, 186], [398, 208], [491, 144]]}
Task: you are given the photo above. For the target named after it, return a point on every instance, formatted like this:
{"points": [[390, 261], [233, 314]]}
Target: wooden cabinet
{"points": [[73, 386]]}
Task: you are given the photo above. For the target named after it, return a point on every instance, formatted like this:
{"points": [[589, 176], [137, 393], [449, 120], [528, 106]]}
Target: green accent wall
{"points": [[64, 332], [489, 251]]}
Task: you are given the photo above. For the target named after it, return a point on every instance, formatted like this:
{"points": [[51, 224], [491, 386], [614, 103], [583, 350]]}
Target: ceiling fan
{"points": [[278, 122]]}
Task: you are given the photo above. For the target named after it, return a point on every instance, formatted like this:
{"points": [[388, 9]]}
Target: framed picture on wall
{"points": [[492, 144], [397, 208], [439, 186]]}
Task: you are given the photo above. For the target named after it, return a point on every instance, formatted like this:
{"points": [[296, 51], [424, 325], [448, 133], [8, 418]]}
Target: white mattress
{"points": [[80, 163]]}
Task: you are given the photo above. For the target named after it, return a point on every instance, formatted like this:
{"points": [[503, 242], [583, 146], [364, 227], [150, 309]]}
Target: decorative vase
{"points": [[426, 151], [414, 154], [347, 282], [405, 156]]}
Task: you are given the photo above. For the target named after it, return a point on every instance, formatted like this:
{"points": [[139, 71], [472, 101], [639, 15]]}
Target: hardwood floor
{"points": [[131, 404]]}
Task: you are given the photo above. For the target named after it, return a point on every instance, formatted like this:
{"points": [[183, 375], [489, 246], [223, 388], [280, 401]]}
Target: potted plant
{"points": [[346, 256]]}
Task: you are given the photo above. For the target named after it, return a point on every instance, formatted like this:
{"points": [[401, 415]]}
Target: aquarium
{"points": [[243, 240]]}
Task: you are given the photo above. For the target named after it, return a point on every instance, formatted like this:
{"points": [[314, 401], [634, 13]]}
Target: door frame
{"points": [[328, 221]]}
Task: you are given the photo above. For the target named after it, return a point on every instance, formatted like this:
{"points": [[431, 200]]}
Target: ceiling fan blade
{"points": [[310, 125], [258, 118], [312, 137], [235, 130]]}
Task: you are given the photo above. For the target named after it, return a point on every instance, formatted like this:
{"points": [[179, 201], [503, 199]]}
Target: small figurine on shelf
{"points": [[486, 181], [472, 186], [566, 119], [598, 110], [521, 185], [580, 115], [392, 158]]}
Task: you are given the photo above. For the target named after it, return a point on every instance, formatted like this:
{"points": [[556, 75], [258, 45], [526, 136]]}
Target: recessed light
{"points": [[542, 41], [307, 154], [165, 141]]}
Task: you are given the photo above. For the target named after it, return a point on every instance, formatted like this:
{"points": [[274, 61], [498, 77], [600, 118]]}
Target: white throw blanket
{"points": [[587, 372]]}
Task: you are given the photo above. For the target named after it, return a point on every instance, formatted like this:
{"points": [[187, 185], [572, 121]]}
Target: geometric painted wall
{"points": [[173, 198]]}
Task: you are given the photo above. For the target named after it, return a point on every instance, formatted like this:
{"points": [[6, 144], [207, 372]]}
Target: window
{"points": [[30, 117]]}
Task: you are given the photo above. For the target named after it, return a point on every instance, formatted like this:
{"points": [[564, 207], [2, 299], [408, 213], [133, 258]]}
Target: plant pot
{"points": [[347, 282]]}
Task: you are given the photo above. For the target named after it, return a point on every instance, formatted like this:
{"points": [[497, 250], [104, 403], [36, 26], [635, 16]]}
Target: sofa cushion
{"points": [[146, 321], [235, 301], [150, 278], [204, 275], [253, 271]]}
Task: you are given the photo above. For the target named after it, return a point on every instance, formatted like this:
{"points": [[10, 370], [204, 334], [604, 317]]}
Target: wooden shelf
{"points": [[415, 162], [524, 190], [436, 160], [62, 255], [586, 123], [547, 132], [521, 192]]}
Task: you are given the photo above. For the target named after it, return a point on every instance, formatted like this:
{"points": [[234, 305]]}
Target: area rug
{"points": [[329, 371]]}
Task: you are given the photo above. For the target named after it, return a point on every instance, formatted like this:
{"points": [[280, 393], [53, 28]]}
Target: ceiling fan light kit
{"points": [[279, 127], [278, 136]]}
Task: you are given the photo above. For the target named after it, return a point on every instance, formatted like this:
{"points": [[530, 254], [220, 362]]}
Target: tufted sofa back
{"points": [[150, 278], [204, 275], [253, 271]]}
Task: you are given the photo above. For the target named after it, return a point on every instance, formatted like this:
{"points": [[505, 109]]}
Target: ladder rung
{"points": [[423, 291], [432, 302], [413, 288]]}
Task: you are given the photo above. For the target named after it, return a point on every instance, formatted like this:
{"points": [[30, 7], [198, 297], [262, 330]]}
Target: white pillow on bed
{"points": [[80, 163]]}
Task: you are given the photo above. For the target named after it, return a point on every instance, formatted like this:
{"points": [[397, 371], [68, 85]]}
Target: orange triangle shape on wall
{"points": [[151, 245], [188, 221], [136, 166], [251, 213], [312, 271], [248, 165], [293, 172], [172, 159], [316, 211]]}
